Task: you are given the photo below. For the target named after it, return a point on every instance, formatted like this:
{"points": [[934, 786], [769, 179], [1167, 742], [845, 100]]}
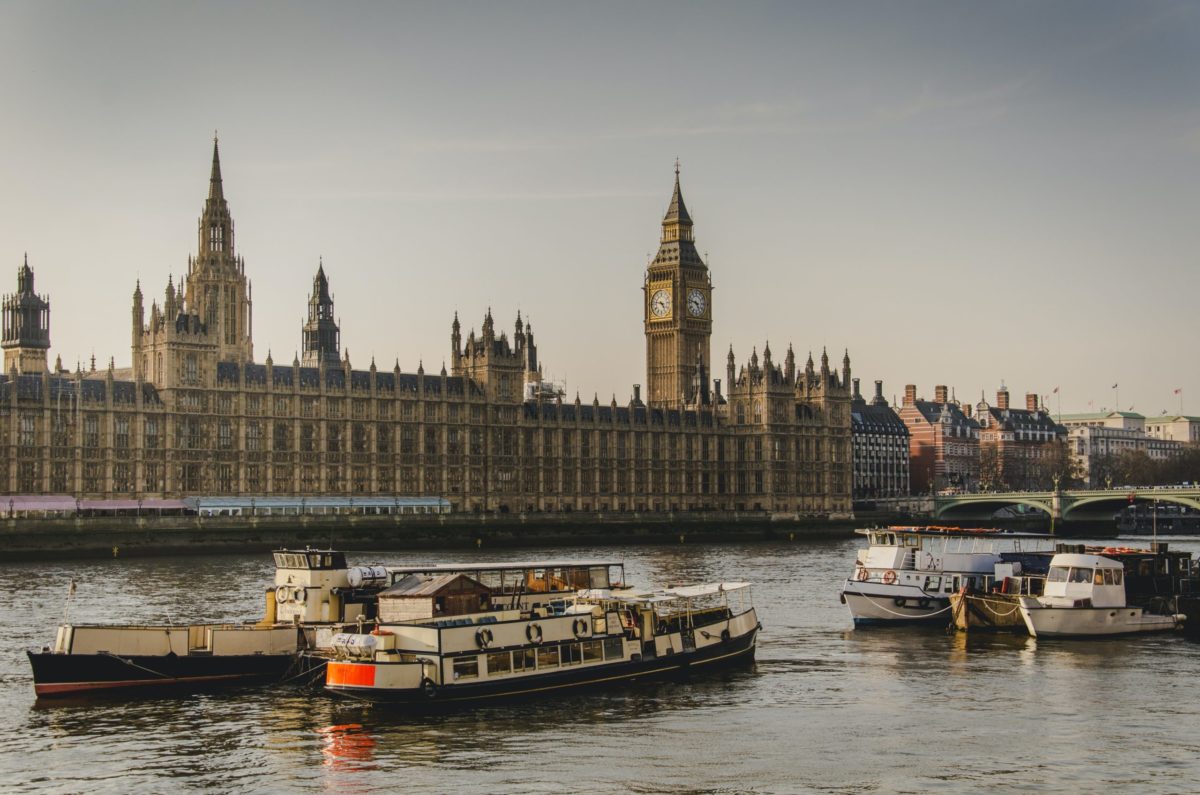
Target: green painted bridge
{"points": [[1083, 505]]}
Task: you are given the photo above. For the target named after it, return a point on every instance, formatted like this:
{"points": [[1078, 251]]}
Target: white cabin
{"points": [[1084, 580]]}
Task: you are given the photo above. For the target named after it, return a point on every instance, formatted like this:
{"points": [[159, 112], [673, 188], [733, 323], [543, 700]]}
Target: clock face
{"points": [[660, 303], [695, 303]]}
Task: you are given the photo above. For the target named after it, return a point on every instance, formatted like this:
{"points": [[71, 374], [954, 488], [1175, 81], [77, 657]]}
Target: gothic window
{"points": [[191, 369], [28, 433], [383, 410], [58, 479], [359, 438], [91, 430], [333, 408], [308, 434], [283, 437], [122, 481], [333, 442], [431, 412], [431, 441], [121, 436], [741, 414], [757, 413], [476, 441], [153, 440], [27, 477], [60, 429], [225, 479], [383, 438], [283, 407], [254, 437], [224, 436], [408, 441], [254, 482], [452, 412], [453, 444], [254, 404]]}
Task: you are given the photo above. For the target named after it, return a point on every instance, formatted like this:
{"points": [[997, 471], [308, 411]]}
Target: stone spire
{"points": [[677, 217], [321, 337], [216, 192]]}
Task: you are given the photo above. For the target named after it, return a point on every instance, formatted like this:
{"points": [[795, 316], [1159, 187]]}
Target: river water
{"points": [[826, 708]]}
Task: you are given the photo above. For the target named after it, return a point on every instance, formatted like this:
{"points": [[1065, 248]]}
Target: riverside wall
{"points": [[31, 539]]}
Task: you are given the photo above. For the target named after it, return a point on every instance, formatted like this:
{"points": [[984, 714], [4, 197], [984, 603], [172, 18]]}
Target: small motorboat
{"points": [[1085, 597]]}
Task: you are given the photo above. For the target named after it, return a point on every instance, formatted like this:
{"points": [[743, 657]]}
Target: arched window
{"points": [[741, 414], [757, 412]]}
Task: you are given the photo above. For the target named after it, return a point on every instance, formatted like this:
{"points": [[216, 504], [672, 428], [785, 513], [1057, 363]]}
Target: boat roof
{"points": [[503, 566], [1085, 561], [956, 532], [678, 592], [428, 585]]}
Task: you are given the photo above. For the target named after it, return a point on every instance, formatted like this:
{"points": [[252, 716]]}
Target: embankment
{"points": [[25, 539]]}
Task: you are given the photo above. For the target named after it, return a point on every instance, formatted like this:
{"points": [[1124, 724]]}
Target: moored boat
{"points": [[312, 589], [909, 574], [1085, 597], [479, 648]]}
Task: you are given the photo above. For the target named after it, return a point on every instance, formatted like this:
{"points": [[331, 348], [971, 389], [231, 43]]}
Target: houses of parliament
{"points": [[196, 414]]}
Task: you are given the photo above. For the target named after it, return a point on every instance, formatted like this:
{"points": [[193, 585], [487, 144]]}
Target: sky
{"points": [[962, 193]]}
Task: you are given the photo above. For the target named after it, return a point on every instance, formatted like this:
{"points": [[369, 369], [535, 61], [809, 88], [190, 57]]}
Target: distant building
{"points": [[1177, 428], [1017, 447], [1095, 436], [943, 442], [881, 447]]}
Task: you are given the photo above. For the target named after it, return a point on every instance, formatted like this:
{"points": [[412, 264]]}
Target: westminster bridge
{"points": [[1063, 505]]}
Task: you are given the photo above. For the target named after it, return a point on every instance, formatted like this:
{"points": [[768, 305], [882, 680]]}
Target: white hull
{"points": [[873, 602], [1082, 622]]}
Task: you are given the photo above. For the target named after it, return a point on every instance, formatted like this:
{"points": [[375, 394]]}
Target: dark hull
{"points": [[738, 650], [90, 674]]}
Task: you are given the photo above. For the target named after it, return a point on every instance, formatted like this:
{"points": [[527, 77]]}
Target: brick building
{"points": [[943, 442]]}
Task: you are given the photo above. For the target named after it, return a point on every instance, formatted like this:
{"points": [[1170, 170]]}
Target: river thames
{"points": [[825, 708]]}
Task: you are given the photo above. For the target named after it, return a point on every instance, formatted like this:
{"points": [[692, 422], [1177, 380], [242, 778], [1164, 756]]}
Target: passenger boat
{"points": [[1085, 597], [908, 574], [464, 635], [313, 590]]}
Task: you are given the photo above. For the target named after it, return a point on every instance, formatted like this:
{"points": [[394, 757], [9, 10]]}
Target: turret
{"points": [[26, 326]]}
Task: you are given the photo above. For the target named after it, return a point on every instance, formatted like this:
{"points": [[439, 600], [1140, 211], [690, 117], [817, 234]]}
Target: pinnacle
{"points": [[215, 190]]}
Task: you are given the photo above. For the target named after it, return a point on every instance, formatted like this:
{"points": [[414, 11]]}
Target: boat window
{"points": [[1099, 578], [523, 659], [592, 651], [466, 668], [499, 663], [614, 649], [1108, 576], [1080, 575], [1117, 576], [547, 657], [912, 541], [1057, 574], [279, 560], [571, 654], [314, 561], [933, 583]]}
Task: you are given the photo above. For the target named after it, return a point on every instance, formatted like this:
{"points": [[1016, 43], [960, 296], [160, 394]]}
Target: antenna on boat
{"points": [[67, 605]]}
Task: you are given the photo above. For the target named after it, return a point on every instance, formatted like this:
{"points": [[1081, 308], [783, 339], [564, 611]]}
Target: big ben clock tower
{"points": [[678, 311]]}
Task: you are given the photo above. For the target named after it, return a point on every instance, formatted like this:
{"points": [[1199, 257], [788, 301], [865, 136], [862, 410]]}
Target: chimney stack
{"points": [[910, 394], [967, 410], [637, 394], [1002, 398], [941, 394], [1031, 402], [856, 395]]}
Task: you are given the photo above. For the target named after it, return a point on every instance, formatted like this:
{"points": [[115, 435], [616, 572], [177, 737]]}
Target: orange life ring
{"points": [[863, 575], [889, 577]]}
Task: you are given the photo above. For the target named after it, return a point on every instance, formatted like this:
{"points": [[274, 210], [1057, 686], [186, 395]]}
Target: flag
{"points": [[1114, 386], [1055, 390], [1179, 391], [71, 589]]}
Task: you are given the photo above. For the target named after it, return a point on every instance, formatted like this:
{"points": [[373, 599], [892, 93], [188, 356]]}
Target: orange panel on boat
{"points": [[351, 674]]}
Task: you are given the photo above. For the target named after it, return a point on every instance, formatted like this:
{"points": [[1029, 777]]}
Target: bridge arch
{"points": [[969, 507], [1120, 501]]}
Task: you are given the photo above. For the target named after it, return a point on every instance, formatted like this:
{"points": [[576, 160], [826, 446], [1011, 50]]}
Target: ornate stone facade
{"points": [[195, 414]]}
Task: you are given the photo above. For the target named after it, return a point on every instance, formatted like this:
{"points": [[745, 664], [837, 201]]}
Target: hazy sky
{"points": [[959, 193]]}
